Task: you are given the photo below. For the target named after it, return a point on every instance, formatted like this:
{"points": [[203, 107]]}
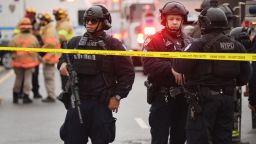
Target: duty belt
{"points": [[220, 91], [170, 92]]}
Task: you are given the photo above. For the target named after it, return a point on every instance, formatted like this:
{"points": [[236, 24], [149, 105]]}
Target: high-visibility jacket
{"points": [[64, 29], [24, 59], [50, 40]]}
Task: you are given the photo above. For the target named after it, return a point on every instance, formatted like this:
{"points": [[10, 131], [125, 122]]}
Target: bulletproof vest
{"points": [[92, 64], [220, 69]]}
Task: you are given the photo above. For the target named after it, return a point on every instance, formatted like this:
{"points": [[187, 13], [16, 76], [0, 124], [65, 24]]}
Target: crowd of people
{"points": [[36, 30]]}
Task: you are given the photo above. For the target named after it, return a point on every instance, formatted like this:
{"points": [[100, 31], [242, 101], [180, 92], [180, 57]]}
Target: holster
{"points": [[64, 97], [150, 92]]}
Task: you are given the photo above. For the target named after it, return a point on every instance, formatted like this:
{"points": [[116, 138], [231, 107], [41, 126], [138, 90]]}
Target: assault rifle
{"points": [[72, 85]]}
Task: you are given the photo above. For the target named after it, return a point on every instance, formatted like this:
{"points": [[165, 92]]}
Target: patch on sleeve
{"points": [[147, 41], [124, 47], [186, 48]]}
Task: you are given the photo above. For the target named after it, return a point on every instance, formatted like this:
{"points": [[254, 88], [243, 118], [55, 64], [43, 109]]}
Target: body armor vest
{"points": [[92, 64]]}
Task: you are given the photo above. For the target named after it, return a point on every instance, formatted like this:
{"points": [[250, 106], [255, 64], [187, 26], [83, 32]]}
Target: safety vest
{"points": [[50, 40], [24, 59], [64, 29]]}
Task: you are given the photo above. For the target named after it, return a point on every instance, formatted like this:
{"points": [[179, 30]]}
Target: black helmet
{"points": [[174, 8], [101, 13], [242, 35], [212, 18], [228, 11], [207, 4]]}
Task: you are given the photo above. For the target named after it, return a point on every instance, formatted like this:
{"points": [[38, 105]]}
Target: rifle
{"points": [[73, 85], [192, 99]]}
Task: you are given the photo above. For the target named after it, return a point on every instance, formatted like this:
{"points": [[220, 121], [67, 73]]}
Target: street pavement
{"points": [[39, 123]]}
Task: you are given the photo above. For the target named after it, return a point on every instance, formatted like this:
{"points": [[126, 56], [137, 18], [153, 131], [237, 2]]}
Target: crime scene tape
{"points": [[183, 55]]}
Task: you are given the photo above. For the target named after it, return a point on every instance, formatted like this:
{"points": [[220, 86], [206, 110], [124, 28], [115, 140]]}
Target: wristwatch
{"points": [[118, 97]]}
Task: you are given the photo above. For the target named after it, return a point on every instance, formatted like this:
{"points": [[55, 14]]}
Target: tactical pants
{"points": [[35, 82], [27, 73], [168, 120], [214, 125], [49, 79], [99, 124], [252, 82]]}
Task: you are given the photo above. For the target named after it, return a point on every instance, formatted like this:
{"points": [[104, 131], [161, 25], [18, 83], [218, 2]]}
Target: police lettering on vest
{"points": [[221, 68]]}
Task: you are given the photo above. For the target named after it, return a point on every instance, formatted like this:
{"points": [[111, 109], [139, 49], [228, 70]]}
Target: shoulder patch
{"points": [[186, 48]]}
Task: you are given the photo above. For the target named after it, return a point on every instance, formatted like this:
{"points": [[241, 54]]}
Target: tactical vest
{"points": [[220, 69], [93, 64]]}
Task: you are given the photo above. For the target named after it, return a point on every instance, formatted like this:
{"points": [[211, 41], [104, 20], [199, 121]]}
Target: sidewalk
{"points": [[1, 69]]}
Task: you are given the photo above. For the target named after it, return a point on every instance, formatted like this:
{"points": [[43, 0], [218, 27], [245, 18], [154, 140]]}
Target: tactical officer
{"points": [[102, 81], [242, 35], [205, 5], [168, 107], [212, 83]]}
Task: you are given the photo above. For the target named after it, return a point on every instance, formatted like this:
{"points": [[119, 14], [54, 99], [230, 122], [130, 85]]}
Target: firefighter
{"points": [[31, 14], [50, 40], [24, 62], [168, 106], [64, 30]]}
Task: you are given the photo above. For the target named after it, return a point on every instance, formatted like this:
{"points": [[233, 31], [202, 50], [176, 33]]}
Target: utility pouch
{"points": [[110, 130], [150, 92], [64, 97]]}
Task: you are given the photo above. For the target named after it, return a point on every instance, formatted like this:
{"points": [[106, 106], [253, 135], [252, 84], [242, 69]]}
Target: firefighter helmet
{"points": [[100, 13], [207, 4], [173, 8], [25, 23], [43, 16], [60, 13], [212, 18], [30, 12]]}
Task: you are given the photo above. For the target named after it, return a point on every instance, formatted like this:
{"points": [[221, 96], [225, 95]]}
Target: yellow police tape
{"points": [[184, 55]]}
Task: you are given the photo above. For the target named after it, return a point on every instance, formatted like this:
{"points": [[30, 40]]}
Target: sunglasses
{"points": [[93, 21]]}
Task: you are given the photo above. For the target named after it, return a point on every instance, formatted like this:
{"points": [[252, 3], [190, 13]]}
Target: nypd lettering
{"points": [[227, 45], [84, 57]]}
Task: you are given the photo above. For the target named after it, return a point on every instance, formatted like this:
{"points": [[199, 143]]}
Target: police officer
{"points": [[205, 5], [102, 81], [168, 109], [212, 82]]}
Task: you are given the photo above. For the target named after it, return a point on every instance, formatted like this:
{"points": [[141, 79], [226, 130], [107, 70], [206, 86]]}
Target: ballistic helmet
{"points": [[100, 13], [242, 35], [173, 8], [212, 18], [207, 4]]}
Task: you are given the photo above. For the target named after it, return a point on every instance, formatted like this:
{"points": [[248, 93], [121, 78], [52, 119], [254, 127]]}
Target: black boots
{"points": [[37, 95], [15, 98], [25, 98]]}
